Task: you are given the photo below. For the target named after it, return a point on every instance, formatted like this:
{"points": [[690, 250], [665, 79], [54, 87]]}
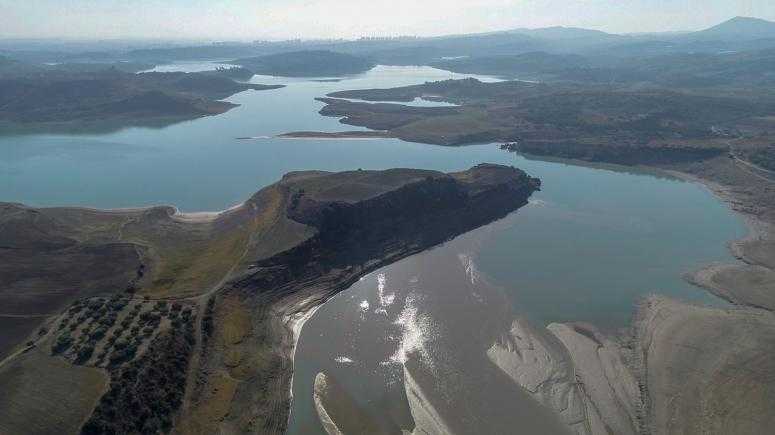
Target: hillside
{"points": [[310, 63], [737, 34], [661, 124], [122, 98], [739, 28], [560, 33], [534, 65]]}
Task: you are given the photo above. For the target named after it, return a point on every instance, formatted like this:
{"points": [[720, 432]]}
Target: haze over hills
{"points": [[736, 34], [738, 28], [733, 53], [561, 33]]}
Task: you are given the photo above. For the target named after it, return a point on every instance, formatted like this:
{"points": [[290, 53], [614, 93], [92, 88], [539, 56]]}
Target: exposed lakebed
{"points": [[585, 249]]}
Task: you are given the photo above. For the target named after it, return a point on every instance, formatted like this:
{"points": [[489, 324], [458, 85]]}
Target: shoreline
{"points": [[337, 135], [176, 214], [204, 216], [703, 278], [680, 347], [755, 226], [295, 321], [757, 230]]}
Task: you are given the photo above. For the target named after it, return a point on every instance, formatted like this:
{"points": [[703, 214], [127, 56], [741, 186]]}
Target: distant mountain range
{"points": [[563, 33], [735, 28], [738, 28], [329, 57]]}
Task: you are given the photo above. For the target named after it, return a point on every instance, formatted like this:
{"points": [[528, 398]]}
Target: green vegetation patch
{"points": [[145, 393]]}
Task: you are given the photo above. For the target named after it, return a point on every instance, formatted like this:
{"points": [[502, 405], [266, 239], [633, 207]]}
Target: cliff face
{"points": [[354, 231], [413, 217]]}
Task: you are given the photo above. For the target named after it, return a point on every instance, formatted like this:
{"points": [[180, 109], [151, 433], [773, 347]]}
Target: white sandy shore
{"points": [[331, 138], [203, 216], [296, 322], [426, 419], [189, 217], [540, 365], [319, 392]]}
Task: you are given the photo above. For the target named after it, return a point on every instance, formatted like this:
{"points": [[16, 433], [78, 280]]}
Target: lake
{"points": [[586, 248]]}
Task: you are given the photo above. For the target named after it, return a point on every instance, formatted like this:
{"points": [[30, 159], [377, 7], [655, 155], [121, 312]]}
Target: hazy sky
{"points": [[273, 19]]}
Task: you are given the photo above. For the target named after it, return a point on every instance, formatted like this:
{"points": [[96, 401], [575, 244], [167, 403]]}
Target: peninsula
{"points": [[167, 321], [63, 100]]}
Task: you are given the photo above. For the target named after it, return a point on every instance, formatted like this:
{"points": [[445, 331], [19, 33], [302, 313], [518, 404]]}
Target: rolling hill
{"points": [[307, 63]]}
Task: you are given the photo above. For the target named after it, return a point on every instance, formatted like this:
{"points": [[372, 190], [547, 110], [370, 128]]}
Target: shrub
{"points": [[98, 334], [84, 353], [108, 320], [63, 343], [117, 304]]}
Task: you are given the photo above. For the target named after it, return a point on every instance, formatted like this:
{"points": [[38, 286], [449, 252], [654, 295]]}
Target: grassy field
{"points": [[45, 395], [14, 328]]}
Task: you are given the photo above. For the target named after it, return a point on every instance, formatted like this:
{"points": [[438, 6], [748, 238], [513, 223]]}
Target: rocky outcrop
{"points": [[411, 218]]}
